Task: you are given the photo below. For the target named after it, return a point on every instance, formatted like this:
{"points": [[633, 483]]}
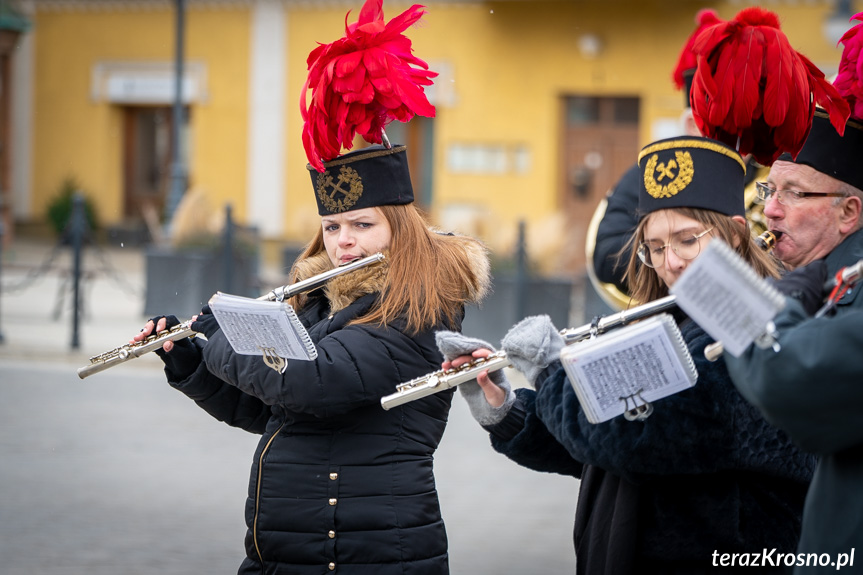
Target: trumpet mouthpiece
{"points": [[767, 240]]}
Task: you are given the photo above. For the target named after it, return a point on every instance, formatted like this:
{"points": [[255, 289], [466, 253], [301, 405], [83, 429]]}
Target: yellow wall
{"points": [[75, 136], [220, 126], [513, 62]]}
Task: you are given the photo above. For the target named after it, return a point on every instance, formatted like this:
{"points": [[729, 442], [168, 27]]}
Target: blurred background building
{"points": [[541, 105]]}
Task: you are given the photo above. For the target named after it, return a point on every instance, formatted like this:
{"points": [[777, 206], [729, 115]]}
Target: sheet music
{"points": [[724, 295], [252, 325], [639, 363]]}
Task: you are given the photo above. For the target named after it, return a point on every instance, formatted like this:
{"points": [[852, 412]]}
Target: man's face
{"points": [[813, 227]]}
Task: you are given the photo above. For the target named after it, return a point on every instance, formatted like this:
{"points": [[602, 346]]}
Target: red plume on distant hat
{"points": [[704, 18], [849, 81], [362, 82], [754, 92]]}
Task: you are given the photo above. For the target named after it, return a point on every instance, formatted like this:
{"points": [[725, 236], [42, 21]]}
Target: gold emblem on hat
{"points": [[666, 179], [349, 184]]}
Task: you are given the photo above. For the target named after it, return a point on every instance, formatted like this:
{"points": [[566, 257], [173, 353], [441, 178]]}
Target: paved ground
{"points": [[120, 474]]}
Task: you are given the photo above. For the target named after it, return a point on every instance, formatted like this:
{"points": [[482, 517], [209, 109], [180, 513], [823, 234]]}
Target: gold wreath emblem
{"points": [[660, 179], [349, 185]]}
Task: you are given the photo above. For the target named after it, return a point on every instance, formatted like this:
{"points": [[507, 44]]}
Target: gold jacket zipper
{"points": [[258, 492]]}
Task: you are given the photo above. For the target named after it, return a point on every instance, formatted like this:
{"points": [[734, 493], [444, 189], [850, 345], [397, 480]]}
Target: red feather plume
{"points": [[704, 18], [849, 81], [362, 82], [754, 92]]}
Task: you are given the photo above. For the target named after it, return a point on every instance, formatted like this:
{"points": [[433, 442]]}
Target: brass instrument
{"points": [[446, 379], [129, 351], [608, 292]]}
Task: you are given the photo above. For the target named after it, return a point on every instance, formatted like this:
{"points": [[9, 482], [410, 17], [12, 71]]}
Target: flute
{"points": [[445, 379], [129, 351]]}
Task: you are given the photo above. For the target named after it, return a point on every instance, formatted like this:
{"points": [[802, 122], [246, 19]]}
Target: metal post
{"points": [[521, 274], [228, 251], [178, 169], [79, 223], [2, 230]]}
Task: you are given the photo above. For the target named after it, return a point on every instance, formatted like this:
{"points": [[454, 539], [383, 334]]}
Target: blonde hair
{"points": [[645, 284], [430, 275]]}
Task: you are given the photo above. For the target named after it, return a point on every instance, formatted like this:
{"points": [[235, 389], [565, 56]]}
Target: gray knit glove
{"points": [[532, 345], [453, 344]]}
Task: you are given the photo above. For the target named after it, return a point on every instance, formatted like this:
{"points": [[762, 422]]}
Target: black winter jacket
{"points": [[337, 483], [704, 473]]}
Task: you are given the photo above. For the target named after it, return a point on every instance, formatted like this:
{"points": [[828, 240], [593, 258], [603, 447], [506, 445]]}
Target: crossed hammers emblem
{"points": [[336, 186], [348, 184], [665, 170]]}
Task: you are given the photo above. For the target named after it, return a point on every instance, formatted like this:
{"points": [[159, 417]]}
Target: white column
{"points": [[266, 175], [21, 129]]}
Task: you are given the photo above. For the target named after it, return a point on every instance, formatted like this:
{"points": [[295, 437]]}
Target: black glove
{"points": [[183, 360], [206, 322], [805, 284]]}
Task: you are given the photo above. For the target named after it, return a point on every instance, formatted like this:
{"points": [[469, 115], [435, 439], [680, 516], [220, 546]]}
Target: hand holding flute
{"points": [[181, 357], [467, 372], [490, 395], [157, 339]]}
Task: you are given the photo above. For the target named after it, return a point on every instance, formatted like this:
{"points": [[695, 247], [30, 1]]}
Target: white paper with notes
{"points": [[630, 366], [253, 326], [726, 297]]}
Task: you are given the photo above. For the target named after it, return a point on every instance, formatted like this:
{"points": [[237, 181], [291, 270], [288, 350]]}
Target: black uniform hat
{"points": [[359, 84], [839, 157], [373, 176], [690, 172]]}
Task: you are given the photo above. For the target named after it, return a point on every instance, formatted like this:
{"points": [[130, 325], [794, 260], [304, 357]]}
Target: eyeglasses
{"points": [[789, 197], [686, 247]]}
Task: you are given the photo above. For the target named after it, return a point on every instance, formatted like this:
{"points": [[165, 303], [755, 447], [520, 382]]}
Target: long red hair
{"points": [[430, 276]]}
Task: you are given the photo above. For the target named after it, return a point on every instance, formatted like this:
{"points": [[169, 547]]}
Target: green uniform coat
{"points": [[813, 389]]}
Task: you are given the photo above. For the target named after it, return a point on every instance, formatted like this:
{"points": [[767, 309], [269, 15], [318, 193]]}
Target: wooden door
{"points": [[146, 160], [600, 142]]}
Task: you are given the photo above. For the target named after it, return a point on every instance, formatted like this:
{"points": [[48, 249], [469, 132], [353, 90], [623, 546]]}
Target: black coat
{"points": [[616, 227], [337, 483], [704, 473]]}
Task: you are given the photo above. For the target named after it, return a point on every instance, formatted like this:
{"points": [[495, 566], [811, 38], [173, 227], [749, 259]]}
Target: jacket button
{"points": [[331, 566], [333, 501], [331, 534], [334, 476]]}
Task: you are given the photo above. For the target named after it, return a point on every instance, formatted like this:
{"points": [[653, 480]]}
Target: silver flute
{"points": [[129, 351], [448, 378]]}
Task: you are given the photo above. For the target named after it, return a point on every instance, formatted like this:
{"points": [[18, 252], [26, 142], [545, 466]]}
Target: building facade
{"points": [[540, 106]]}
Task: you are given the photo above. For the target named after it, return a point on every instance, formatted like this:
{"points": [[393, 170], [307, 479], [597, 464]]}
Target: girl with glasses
{"points": [[704, 476]]}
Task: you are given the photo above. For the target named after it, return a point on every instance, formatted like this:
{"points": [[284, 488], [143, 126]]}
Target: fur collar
{"points": [[344, 290]]}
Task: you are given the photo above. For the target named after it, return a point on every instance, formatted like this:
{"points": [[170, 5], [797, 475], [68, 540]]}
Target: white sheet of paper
{"points": [[724, 295], [648, 359], [251, 325]]}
